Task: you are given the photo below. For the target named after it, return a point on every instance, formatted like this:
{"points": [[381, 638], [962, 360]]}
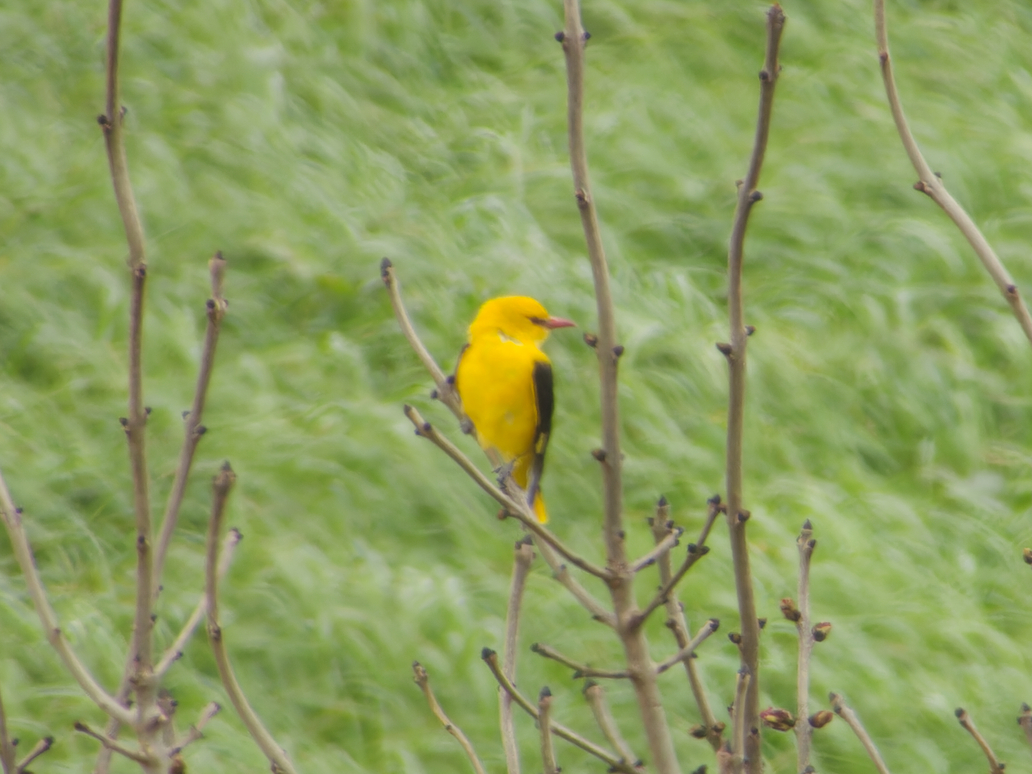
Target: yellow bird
{"points": [[505, 383]]}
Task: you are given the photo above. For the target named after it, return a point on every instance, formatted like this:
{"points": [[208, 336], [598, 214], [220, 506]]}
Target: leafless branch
{"points": [[738, 720], [662, 548], [196, 731], [562, 574], [995, 767], [221, 487], [596, 697], [48, 618], [695, 552], [516, 507], [423, 681], [579, 670], [735, 353], [7, 751], [1025, 721], [523, 557], [931, 184], [843, 711], [689, 649], [545, 729], [111, 744], [37, 750], [491, 659], [803, 730], [175, 650], [711, 729]]}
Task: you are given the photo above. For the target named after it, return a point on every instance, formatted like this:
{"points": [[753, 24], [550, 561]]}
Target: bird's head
{"points": [[516, 317]]}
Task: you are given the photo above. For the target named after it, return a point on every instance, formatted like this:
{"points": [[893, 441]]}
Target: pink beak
{"points": [[559, 322]]}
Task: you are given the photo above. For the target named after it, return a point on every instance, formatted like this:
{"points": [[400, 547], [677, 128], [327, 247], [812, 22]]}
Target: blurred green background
{"points": [[888, 396]]}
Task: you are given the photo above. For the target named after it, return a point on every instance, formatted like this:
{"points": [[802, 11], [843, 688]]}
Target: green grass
{"points": [[888, 395]]}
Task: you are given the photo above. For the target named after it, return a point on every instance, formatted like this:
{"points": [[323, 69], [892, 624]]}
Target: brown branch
{"points": [[491, 659], [545, 729], [607, 725], [422, 679], [839, 705], [221, 486], [562, 574], [931, 184], [803, 730], [47, 617], [711, 729], [1025, 721], [39, 749], [175, 650], [147, 761], [7, 751], [690, 647], [515, 507], [735, 353], [662, 548], [196, 731], [738, 720], [523, 557], [995, 767], [621, 584], [579, 670], [194, 430]]}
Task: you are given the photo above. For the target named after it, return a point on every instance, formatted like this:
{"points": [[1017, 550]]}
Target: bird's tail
{"points": [[539, 507]]}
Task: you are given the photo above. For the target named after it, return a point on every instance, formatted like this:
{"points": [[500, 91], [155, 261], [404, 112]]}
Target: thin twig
{"points": [[515, 507], [661, 548], [221, 487], [7, 751], [839, 705], [196, 731], [545, 729], [995, 767], [931, 184], [738, 718], [522, 559], [695, 552], [711, 729], [491, 659], [562, 574], [114, 746], [194, 430], [38, 749], [735, 353], [175, 650], [446, 391], [1025, 721], [596, 697], [803, 730], [579, 670], [689, 649], [48, 618], [423, 681]]}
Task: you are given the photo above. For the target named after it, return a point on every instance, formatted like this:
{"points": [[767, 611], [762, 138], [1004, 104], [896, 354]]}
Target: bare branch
{"points": [[735, 353], [515, 507], [545, 729], [662, 548], [695, 553], [803, 730], [711, 729], [47, 616], [423, 681], [579, 670], [738, 720], [7, 752], [133, 755], [523, 557], [38, 749], [931, 184], [562, 574], [839, 705], [689, 649], [175, 650], [1025, 721], [221, 487], [216, 310], [491, 659], [995, 767], [600, 709], [196, 731]]}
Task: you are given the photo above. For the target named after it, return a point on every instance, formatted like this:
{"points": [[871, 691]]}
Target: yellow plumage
{"points": [[505, 383]]}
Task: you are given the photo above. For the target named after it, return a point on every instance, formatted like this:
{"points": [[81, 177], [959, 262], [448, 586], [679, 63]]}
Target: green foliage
{"points": [[888, 397]]}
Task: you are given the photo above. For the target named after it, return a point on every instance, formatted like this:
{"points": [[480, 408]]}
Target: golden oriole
{"points": [[505, 383]]}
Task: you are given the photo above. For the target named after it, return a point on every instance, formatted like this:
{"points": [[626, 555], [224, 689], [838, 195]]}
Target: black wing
{"points": [[544, 396]]}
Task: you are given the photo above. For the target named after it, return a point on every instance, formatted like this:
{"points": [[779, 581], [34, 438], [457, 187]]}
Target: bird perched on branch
{"points": [[505, 383]]}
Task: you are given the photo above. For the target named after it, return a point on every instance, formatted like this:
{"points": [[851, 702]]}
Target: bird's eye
{"points": [[537, 320]]}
